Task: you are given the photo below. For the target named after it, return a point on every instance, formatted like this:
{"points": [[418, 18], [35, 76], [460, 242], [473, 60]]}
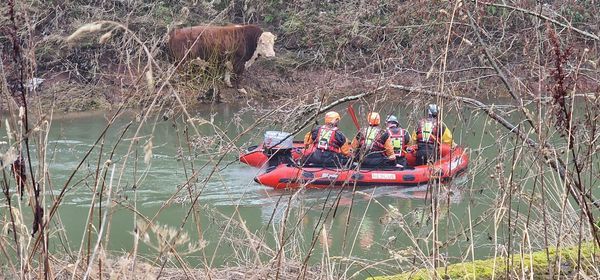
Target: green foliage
{"points": [[162, 13], [48, 51], [492, 10], [292, 24], [378, 20], [537, 262], [269, 18], [577, 16], [221, 4]]}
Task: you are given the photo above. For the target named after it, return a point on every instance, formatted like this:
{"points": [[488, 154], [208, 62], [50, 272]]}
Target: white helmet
{"points": [[392, 119], [432, 110]]}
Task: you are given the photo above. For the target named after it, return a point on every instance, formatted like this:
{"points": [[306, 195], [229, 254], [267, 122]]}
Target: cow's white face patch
{"points": [[265, 45]]}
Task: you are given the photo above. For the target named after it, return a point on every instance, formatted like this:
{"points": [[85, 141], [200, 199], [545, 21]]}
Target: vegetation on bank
{"points": [[528, 69], [356, 39], [570, 262]]}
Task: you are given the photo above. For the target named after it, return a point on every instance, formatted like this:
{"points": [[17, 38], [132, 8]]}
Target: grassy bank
{"points": [[538, 265]]}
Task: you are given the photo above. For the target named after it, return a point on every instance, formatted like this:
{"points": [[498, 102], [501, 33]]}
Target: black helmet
{"points": [[432, 110]]}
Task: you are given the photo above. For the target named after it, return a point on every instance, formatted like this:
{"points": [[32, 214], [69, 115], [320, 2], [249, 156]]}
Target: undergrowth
{"points": [[517, 82]]}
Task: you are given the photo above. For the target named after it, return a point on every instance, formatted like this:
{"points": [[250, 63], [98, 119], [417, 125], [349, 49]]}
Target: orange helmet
{"points": [[332, 117], [374, 118]]}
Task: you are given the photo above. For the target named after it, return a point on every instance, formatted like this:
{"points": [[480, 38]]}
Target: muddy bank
{"points": [[266, 81], [334, 47]]}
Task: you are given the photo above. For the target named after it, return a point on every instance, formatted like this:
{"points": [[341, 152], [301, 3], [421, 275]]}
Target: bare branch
{"points": [[546, 150], [528, 12], [500, 73]]}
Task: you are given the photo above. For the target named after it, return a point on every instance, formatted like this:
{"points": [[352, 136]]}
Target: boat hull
{"points": [[453, 162]]}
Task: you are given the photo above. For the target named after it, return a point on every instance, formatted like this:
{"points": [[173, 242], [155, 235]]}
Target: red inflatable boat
{"points": [[453, 162], [256, 156]]}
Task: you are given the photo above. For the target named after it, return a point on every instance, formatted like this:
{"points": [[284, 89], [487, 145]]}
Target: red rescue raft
{"points": [[255, 155], [453, 162]]}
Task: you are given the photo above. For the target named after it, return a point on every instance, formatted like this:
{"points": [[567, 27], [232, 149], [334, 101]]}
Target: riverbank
{"points": [[114, 267], [265, 82], [323, 50], [73, 187], [538, 265]]}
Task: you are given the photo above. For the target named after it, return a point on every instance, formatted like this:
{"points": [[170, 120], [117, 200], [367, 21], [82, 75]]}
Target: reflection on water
{"points": [[332, 216], [274, 202], [366, 234]]}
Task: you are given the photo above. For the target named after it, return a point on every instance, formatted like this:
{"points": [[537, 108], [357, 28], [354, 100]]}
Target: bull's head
{"points": [[264, 47], [266, 41]]}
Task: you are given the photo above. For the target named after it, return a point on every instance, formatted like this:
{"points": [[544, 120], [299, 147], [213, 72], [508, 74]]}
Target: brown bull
{"points": [[235, 46]]}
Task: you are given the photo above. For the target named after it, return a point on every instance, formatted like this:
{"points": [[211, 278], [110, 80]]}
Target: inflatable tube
{"points": [[453, 162], [256, 156]]}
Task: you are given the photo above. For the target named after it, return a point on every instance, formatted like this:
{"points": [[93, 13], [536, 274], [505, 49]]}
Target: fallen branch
{"points": [[333, 104], [547, 151], [500, 73]]}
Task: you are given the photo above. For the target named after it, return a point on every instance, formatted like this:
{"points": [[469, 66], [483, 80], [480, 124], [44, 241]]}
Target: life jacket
{"points": [[325, 139], [428, 131], [371, 140], [397, 138]]}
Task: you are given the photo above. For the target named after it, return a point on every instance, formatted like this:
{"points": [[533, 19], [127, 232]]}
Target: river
{"points": [[364, 231]]}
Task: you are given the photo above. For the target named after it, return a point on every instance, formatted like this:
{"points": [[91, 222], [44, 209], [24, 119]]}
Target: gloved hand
{"points": [[392, 157]]}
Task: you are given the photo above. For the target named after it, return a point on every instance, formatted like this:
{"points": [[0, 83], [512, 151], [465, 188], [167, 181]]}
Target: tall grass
{"points": [[527, 71]]}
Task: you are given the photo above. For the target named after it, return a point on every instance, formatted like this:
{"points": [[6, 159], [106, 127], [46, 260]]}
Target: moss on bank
{"points": [[521, 266]]}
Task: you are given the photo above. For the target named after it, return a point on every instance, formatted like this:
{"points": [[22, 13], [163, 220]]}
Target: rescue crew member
{"points": [[400, 139], [326, 145], [430, 133], [372, 145]]}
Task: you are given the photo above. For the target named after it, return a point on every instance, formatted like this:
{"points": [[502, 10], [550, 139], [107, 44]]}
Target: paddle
{"points": [[353, 116]]}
